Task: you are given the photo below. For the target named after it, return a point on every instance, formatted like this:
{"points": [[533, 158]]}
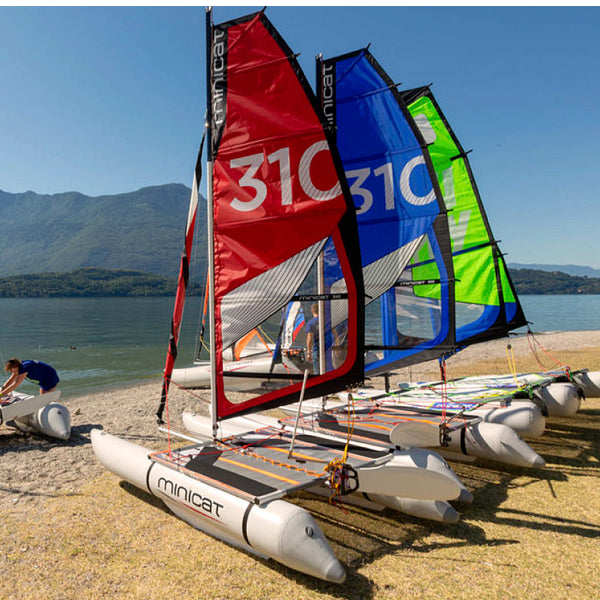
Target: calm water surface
{"points": [[109, 342], [94, 342]]}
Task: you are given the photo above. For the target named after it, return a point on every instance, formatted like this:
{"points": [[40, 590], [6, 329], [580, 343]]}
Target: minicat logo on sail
{"points": [[180, 492], [218, 76], [328, 101]]}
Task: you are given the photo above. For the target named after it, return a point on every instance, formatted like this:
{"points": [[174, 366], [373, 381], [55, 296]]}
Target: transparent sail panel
{"points": [[257, 299], [405, 321], [307, 333]]}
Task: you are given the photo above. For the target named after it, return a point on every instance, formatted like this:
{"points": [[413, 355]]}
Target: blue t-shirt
{"points": [[41, 373], [313, 327]]}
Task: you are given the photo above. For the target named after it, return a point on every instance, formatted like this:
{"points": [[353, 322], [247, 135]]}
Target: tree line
{"points": [[90, 282], [95, 282], [531, 282]]}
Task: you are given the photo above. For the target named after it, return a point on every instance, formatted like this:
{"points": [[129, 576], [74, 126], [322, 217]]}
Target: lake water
{"points": [[94, 342], [109, 342]]}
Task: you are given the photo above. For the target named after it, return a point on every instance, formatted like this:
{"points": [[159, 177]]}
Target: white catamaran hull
{"points": [[560, 399], [525, 417], [589, 381], [414, 473], [54, 420], [496, 442], [432, 510], [279, 530], [198, 376], [38, 414]]}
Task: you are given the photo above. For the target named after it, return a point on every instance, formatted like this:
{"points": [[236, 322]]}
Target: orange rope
{"points": [[557, 363]]}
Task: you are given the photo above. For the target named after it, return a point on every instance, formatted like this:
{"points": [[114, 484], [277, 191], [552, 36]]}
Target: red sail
{"points": [[278, 196]]}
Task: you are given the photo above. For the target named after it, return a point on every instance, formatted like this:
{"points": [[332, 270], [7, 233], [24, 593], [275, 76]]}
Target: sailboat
{"points": [[273, 173], [481, 303], [403, 228], [406, 261]]}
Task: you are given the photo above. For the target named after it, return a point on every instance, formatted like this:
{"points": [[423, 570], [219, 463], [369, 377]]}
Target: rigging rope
{"points": [[343, 479], [444, 376], [531, 339]]}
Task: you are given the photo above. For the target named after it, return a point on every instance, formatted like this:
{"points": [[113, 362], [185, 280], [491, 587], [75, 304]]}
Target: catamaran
{"points": [[273, 174], [406, 241], [377, 149], [454, 289]]}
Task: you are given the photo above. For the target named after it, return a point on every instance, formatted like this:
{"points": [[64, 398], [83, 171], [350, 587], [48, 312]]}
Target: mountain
{"points": [[568, 269], [137, 231]]}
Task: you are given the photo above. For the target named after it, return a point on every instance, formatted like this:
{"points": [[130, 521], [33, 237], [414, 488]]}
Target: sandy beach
{"points": [[39, 476]]}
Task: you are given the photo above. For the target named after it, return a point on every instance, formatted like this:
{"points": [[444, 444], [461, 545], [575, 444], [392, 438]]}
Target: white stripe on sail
{"points": [[379, 276], [256, 300]]}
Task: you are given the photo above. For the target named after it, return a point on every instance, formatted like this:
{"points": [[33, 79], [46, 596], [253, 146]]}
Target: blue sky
{"points": [[104, 100]]}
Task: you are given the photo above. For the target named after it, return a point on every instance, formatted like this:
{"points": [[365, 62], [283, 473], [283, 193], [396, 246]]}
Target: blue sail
{"points": [[403, 232]]}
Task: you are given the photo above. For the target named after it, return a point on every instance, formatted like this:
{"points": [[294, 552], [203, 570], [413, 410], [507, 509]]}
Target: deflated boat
{"points": [[37, 414]]}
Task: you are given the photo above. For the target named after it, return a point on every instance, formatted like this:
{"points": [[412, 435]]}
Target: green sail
{"points": [[487, 306]]}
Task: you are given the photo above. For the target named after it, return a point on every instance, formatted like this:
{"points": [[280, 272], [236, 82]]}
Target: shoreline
{"points": [[36, 467]]}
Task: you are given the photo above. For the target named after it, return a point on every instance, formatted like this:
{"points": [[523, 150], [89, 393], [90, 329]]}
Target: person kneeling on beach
{"points": [[33, 370]]}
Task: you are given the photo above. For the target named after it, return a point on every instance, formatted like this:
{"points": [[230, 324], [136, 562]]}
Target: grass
{"points": [[528, 534]]}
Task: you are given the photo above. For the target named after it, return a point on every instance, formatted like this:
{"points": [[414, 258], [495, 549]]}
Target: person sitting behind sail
{"points": [[33, 370], [340, 344], [312, 338]]}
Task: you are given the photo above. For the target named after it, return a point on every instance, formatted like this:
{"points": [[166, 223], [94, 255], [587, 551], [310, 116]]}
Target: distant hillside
{"points": [[141, 231], [530, 281], [94, 282], [89, 283], [568, 269]]}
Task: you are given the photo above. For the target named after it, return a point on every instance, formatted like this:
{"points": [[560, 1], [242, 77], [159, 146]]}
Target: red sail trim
{"points": [[278, 188], [182, 283]]}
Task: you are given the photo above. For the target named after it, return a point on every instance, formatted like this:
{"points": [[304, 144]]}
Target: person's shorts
{"points": [[50, 382]]}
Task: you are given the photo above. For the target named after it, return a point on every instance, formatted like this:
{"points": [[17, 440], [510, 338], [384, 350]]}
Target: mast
{"points": [[209, 218], [321, 282]]}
